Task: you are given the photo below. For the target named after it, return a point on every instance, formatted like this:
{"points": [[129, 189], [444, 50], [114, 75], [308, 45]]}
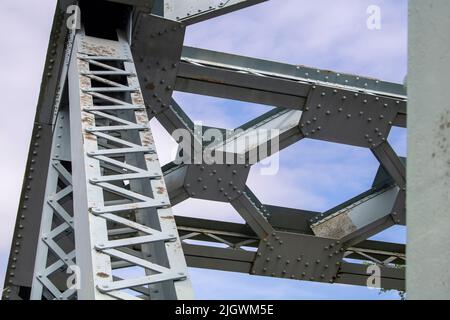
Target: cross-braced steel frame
{"points": [[96, 203]]}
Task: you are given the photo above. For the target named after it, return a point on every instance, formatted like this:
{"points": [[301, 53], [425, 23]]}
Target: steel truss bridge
{"points": [[95, 196]]}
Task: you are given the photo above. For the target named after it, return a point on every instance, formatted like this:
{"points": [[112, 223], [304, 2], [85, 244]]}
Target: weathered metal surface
{"points": [[195, 11], [216, 182], [301, 257], [156, 48], [110, 132]]}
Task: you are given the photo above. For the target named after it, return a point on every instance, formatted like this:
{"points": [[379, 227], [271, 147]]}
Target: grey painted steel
{"points": [[130, 148], [19, 274], [428, 199], [300, 259], [157, 49]]}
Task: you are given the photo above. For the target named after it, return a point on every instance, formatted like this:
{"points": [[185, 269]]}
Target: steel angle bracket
{"points": [[156, 48], [298, 256], [348, 117]]}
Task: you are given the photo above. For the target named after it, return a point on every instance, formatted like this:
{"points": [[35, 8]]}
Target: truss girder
{"points": [[117, 179]]}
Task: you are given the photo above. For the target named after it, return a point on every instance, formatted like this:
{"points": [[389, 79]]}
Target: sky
{"points": [[313, 175]]}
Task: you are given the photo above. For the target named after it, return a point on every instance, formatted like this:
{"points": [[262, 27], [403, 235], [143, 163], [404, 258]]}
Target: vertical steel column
{"points": [[55, 249], [127, 244]]}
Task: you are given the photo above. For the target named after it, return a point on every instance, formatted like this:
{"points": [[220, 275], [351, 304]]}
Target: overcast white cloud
{"points": [[329, 34]]}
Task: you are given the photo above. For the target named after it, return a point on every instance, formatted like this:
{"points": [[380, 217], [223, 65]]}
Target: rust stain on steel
{"points": [[336, 227], [168, 217]]}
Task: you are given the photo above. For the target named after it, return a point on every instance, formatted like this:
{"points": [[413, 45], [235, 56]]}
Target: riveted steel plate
{"points": [[297, 256], [156, 48], [347, 117], [216, 182], [26, 232]]}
